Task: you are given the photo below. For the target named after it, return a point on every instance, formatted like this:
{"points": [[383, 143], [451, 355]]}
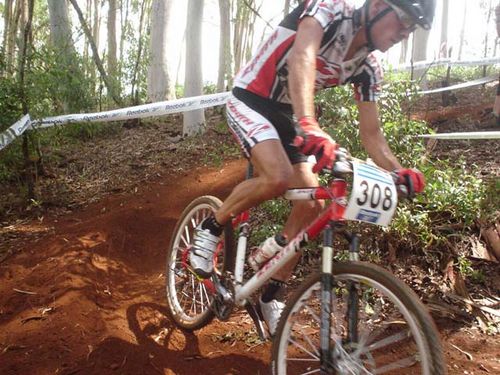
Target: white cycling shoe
{"points": [[201, 256], [271, 312]]}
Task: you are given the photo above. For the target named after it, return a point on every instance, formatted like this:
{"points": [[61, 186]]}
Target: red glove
{"points": [[316, 142], [413, 179]]}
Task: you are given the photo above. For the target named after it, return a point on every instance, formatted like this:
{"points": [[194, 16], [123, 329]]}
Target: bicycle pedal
{"points": [[256, 315]]}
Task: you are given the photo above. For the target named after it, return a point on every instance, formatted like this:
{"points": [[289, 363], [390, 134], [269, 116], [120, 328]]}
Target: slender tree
{"points": [[124, 19], [224, 45], [490, 12], [145, 6], [241, 25], [7, 16], [161, 85], [26, 32], [96, 26], [404, 51], [95, 54], [12, 35], [462, 32], [112, 46], [443, 46], [420, 39], [193, 120], [60, 35]]}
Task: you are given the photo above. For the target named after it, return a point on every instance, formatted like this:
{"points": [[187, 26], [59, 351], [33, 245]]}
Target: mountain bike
{"points": [[350, 317]]}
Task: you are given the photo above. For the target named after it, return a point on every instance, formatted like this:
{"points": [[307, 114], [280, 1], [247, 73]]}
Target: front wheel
{"points": [[378, 326], [189, 297]]}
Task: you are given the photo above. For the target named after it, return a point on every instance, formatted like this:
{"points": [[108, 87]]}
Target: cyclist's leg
{"points": [[303, 213], [261, 143], [273, 170]]}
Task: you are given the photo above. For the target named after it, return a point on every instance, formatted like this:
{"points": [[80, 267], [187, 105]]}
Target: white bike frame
{"points": [[243, 290]]}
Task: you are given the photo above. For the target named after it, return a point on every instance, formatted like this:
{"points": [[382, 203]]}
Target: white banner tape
{"points": [[14, 131], [476, 82], [141, 111], [434, 63], [472, 135]]}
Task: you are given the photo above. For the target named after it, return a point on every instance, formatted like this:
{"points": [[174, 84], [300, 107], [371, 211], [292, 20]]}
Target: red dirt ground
{"points": [[88, 297]]}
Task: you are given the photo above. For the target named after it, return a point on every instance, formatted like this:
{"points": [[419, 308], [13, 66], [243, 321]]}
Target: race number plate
{"points": [[373, 197]]}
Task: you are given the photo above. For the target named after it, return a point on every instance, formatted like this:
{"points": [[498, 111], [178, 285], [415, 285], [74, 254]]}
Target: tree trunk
{"points": [[95, 26], [462, 32], [240, 31], [112, 59], [12, 36], [135, 91], [125, 5], [95, 53], [60, 29], [404, 51], [88, 19], [193, 120], [443, 46], [249, 35], [225, 45], [420, 39], [7, 16], [490, 11], [161, 85], [23, 61], [60, 35]]}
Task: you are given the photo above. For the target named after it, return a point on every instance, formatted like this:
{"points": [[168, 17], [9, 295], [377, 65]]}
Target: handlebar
{"points": [[342, 165]]}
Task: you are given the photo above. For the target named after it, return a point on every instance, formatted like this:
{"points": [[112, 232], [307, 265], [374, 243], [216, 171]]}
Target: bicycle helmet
{"points": [[421, 12], [410, 12]]}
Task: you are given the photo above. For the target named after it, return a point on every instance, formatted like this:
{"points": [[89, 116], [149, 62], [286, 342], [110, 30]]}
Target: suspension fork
{"points": [[353, 297], [326, 300], [327, 281]]}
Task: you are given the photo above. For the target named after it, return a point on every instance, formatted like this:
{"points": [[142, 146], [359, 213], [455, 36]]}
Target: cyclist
{"points": [[318, 45]]}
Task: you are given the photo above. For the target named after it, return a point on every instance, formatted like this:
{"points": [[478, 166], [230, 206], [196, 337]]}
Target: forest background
{"points": [[80, 56]]}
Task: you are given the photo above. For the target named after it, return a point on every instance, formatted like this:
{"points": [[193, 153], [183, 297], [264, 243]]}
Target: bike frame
{"points": [[331, 214]]}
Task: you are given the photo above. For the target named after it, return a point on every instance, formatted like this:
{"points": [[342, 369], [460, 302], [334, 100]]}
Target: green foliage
{"points": [[436, 74], [453, 200], [10, 101], [340, 117], [209, 88], [450, 205], [269, 220], [55, 87]]}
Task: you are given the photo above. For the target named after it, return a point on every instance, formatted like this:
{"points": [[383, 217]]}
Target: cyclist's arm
{"points": [[302, 66], [373, 139]]}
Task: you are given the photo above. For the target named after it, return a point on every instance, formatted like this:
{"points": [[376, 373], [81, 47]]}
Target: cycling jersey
{"points": [[266, 74]]}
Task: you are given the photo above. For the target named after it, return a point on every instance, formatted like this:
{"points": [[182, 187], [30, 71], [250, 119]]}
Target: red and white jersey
{"points": [[267, 72]]}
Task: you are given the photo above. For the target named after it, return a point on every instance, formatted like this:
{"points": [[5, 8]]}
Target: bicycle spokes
{"points": [[369, 333]]}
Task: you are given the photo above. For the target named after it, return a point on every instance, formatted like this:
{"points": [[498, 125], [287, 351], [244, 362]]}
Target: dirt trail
{"points": [[88, 298]]}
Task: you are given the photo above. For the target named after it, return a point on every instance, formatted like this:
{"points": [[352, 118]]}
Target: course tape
{"points": [[471, 135], [447, 62], [14, 131], [476, 82], [140, 111]]}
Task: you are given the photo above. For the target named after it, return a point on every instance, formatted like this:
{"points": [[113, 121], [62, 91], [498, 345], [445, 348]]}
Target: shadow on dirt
{"points": [[160, 348]]}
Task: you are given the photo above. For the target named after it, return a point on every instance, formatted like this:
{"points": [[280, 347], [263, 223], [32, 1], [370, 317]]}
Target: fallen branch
{"points": [[24, 291], [467, 354], [486, 309], [26, 320]]}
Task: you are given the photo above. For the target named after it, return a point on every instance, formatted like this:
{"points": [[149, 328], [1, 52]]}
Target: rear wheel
{"points": [[390, 331], [189, 297]]}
